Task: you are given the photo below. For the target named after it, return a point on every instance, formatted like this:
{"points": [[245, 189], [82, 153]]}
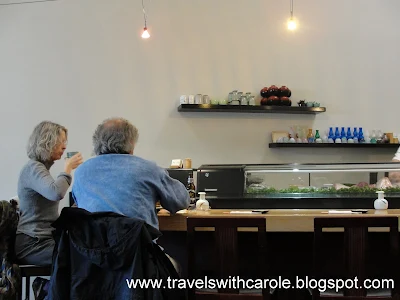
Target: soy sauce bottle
{"points": [[191, 188]]}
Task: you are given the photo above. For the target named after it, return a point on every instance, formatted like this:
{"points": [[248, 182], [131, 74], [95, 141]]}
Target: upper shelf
{"points": [[250, 109], [326, 145]]}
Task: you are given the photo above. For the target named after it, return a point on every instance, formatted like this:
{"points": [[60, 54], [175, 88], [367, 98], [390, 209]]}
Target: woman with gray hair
{"points": [[40, 194]]}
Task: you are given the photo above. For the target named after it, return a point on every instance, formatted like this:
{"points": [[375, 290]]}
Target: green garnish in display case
{"points": [[350, 190]]}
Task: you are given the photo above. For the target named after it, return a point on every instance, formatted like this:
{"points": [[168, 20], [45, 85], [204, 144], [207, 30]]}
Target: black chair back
{"points": [[355, 251]]}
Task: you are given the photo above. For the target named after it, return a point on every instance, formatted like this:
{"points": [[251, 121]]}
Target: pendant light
{"points": [[291, 23], [145, 34]]}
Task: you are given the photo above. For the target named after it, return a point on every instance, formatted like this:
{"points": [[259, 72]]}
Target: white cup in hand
{"points": [[73, 162]]}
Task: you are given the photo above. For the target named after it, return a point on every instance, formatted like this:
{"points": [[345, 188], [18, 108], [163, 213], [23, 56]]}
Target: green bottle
{"points": [[317, 134]]}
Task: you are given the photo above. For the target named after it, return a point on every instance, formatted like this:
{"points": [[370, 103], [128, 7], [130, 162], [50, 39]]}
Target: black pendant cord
{"points": [[144, 15], [291, 9]]}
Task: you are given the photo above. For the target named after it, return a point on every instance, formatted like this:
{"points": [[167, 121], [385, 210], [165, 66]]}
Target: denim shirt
{"points": [[128, 185]]}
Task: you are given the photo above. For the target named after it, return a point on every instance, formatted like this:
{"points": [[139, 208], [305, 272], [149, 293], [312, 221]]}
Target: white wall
{"points": [[77, 62]]}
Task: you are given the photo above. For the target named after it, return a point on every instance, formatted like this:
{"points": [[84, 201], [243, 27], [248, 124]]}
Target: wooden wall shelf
{"points": [[326, 145], [250, 109]]}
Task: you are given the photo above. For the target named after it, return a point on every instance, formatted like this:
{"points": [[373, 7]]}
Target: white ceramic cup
{"points": [[191, 99], [198, 99], [206, 99], [184, 99]]}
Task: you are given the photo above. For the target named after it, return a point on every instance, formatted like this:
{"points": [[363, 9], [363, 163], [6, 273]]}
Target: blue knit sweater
{"points": [[127, 185]]}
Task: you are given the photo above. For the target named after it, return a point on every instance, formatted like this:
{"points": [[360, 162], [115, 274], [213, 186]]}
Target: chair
{"points": [[29, 271], [355, 255], [226, 239]]}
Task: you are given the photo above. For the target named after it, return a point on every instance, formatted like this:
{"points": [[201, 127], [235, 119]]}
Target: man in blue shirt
{"points": [[116, 180]]}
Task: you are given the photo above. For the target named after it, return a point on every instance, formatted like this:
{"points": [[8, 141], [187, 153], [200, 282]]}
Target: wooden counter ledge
{"points": [[278, 220]]}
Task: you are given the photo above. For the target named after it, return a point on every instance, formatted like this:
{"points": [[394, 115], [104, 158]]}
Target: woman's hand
{"points": [[73, 162]]}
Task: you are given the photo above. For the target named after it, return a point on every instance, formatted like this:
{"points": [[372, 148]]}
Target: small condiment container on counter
{"points": [[381, 202], [202, 203]]}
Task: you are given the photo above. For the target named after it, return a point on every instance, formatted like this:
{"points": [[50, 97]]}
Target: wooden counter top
{"points": [[278, 220]]}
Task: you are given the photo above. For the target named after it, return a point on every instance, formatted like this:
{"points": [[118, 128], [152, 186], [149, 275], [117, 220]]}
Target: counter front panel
{"points": [[277, 220]]}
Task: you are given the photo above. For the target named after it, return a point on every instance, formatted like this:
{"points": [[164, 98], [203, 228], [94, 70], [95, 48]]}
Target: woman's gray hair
{"points": [[115, 135], [43, 139]]}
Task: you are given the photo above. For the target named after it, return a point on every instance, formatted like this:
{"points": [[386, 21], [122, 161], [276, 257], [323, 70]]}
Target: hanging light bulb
{"points": [[145, 34], [291, 23]]}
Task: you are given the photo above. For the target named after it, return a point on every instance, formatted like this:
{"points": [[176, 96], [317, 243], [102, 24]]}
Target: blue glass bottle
{"points": [[342, 133], [331, 136], [349, 136], [361, 135], [355, 133], [337, 134]]}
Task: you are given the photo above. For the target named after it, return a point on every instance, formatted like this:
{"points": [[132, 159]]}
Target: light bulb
{"points": [[145, 34], [292, 24]]}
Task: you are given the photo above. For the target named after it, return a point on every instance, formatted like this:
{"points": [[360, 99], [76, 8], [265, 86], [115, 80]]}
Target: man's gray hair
{"points": [[45, 136], [115, 135]]}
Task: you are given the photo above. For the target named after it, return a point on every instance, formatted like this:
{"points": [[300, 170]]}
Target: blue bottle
{"points": [[355, 133], [342, 133], [331, 136], [337, 135], [361, 135], [349, 136]]}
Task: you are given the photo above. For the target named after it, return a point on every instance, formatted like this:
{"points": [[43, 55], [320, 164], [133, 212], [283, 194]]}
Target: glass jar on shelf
{"points": [[230, 97], [243, 100], [237, 99], [234, 95], [252, 100]]}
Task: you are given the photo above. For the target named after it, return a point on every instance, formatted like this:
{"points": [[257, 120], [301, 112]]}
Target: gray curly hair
{"points": [[43, 139], [115, 135]]}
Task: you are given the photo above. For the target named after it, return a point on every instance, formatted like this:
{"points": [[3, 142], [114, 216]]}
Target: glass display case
{"points": [[306, 186], [322, 180]]}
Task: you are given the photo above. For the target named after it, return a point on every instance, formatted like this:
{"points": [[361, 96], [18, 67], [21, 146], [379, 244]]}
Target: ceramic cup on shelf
{"points": [[198, 99], [206, 99], [214, 101], [191, 99], [184, 99]]}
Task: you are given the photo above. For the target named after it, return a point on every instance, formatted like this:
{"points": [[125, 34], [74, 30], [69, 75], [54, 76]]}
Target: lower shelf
{"points": [[326, 145]]}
